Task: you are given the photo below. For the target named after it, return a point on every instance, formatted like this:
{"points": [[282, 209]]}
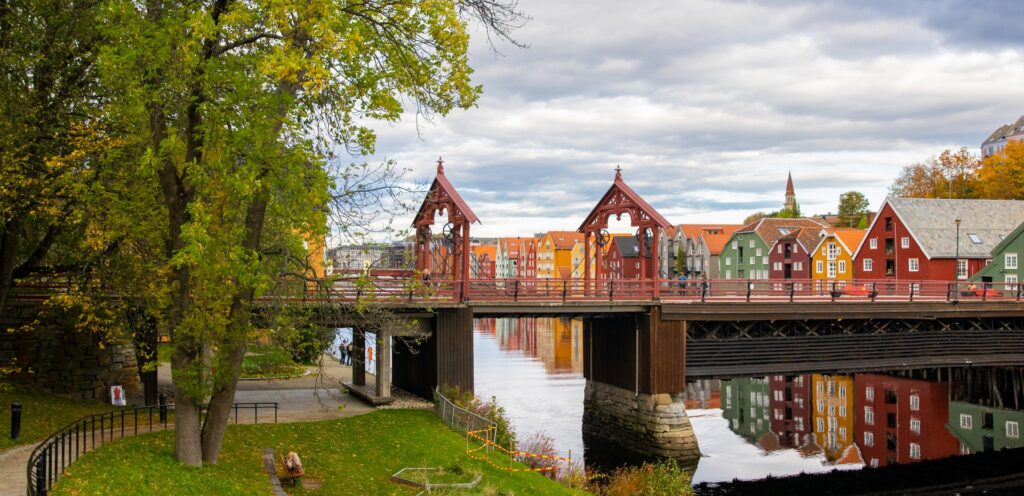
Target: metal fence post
{"points": [[750, 288], [42, 486], [15, 420]]}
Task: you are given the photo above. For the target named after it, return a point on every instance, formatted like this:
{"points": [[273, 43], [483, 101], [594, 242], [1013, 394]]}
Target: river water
{"points": [[750, 428]]}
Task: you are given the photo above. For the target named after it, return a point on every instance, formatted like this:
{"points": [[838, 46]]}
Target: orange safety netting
{"points": [[486, 442]]}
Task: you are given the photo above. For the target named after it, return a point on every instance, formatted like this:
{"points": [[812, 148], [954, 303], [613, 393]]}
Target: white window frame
{"points": [[869, 438], [1011, 281], [913, 265], [842, 266], [831, 269], [869, 415], [961, 268], [915, 451], [915, 402], [1007, 258], [1012, 429], [751, 243], [905, 242], [734, 244], [818, 267], [966, 421], [869, 393], [873, 243], [869, 265], [758, 252], [915, 425]]}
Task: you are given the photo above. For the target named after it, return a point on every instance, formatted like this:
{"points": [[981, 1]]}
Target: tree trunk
{"points": [[8, 253], [187, 447]]}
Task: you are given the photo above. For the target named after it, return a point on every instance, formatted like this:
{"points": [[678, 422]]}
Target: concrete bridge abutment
{"points": [[635, 371]]}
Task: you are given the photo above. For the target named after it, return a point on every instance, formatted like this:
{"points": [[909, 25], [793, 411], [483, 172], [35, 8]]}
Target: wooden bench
{"points": [[293, 467]]}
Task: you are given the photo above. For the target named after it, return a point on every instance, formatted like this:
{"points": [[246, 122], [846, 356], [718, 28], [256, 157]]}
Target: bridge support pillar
{"points": [[383, 365], [445, 358], [633, 405], [358, 357]]}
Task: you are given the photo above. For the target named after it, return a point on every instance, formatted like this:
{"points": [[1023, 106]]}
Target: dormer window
{"points": [[974, 238]]}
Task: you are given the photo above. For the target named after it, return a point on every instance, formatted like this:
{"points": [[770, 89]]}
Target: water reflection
{"points": [[750, 428]]}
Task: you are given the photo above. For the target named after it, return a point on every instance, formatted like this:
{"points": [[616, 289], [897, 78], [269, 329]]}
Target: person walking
{"points": [[343, 352], [349, 350]]}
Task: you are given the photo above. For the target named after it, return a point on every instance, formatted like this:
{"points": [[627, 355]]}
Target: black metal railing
{"points": [[52, 457]]}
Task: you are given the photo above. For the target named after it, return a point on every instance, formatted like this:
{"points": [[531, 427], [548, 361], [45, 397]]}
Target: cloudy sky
{"points": [[707, 104]]}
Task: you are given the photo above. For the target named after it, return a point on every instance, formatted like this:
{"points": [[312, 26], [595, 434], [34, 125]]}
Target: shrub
{"points": [[540, 444], [306, 343], [504, 436], [663, 478]]}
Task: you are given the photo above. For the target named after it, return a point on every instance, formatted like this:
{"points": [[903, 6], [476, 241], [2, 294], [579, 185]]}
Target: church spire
{"points": [[790, 205]]}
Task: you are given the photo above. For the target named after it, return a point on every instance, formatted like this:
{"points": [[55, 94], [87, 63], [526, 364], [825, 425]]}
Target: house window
{"points": [[831, 412], [779, 250], [869, 393], [915, 425], [913, 265], [966, 421], [1010, 260], [915, 402], [869, 415], [752, 261], [818, 267], [842, 411], [842, 392], [820, 387], [821, 425], [728, 274], [751, 243], [905, 242], [798, 266], [821, 405], [734, 245], [915, 451], [961, 269], [1012, 429], [842, 266], [728, 261], [874, 463], [758, 253], [888, 224], [869, 439], [873, 243], [869, 265], [1011, 281], [796, 248]]}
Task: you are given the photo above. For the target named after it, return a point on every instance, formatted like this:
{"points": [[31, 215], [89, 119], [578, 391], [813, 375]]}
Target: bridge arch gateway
{"points": [[449, 258], [620, 199]]}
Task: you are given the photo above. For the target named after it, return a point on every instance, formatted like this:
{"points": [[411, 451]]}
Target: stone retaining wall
{"points": [[646, 425], [58, 359]]}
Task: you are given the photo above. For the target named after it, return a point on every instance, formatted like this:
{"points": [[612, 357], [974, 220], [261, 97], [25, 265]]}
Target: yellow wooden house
{"points": [[833, 257], [554, 254]]}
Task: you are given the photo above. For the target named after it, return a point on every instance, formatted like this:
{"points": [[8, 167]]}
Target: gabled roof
{"points": [[1007, 239], [440, 187], [564, 240], [695, 230], [1005, 131], [770, 229], [850, 238], [715, 243], [628, 246], [620, 186], [983, 224], [808, 237]]}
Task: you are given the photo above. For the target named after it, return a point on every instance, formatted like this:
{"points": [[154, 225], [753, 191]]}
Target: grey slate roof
{"points": [[932, 223], [628, 246], [1005, 131]]}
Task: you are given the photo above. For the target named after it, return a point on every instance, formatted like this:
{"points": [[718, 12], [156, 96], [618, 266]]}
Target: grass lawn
{"points": [[269, 362], [41, 413], [355, 455]]}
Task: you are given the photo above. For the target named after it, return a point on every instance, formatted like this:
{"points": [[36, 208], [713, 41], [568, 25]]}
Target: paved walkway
{"points": [[303, 399]]}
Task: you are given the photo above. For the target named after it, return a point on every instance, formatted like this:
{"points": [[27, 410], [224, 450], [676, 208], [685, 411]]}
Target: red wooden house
{"points": [[920, 239], [790, 257], [623, 258], [791, 408], [901, 420]]}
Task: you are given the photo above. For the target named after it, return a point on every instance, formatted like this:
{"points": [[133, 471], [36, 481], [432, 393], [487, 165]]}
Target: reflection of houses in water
{"points": [[900, 420], [559, 344], [985, 428], [833, 414], [790, 409], [486, 326], [745, 405], [517, 335]]}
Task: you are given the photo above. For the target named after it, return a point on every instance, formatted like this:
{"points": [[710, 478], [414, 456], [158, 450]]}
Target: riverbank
{"points": [[354, 455]]}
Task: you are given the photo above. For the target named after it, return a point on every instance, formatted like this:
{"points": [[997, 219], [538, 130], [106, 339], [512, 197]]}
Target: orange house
{"points": [[554, 254]]}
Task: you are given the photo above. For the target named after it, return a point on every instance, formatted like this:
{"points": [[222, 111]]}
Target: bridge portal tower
{"points": [[621, 199], [454, 249]]}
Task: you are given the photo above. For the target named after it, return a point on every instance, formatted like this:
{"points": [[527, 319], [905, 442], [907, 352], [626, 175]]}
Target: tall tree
{"points": [[240, 107], [853, 206], [50, 128], [1001, 175], [953, 174]]}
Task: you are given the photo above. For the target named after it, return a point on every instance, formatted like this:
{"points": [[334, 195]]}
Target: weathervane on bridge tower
{"points": [[618, 172], [440, 165]]}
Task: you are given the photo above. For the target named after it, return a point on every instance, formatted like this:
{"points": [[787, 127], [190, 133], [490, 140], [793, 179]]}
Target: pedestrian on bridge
{"points": [[349, 350]]}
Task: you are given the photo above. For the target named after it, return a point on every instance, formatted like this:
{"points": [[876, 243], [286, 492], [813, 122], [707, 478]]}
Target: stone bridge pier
{"points": [[635, 371]]}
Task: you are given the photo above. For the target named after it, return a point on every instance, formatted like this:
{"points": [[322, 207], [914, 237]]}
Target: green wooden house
{"points": [[745, 405], [984, 428], [745, 256], [1005, 266]]}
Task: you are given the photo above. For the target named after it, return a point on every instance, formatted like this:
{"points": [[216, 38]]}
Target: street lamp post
{"points": [[956, 266]]}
